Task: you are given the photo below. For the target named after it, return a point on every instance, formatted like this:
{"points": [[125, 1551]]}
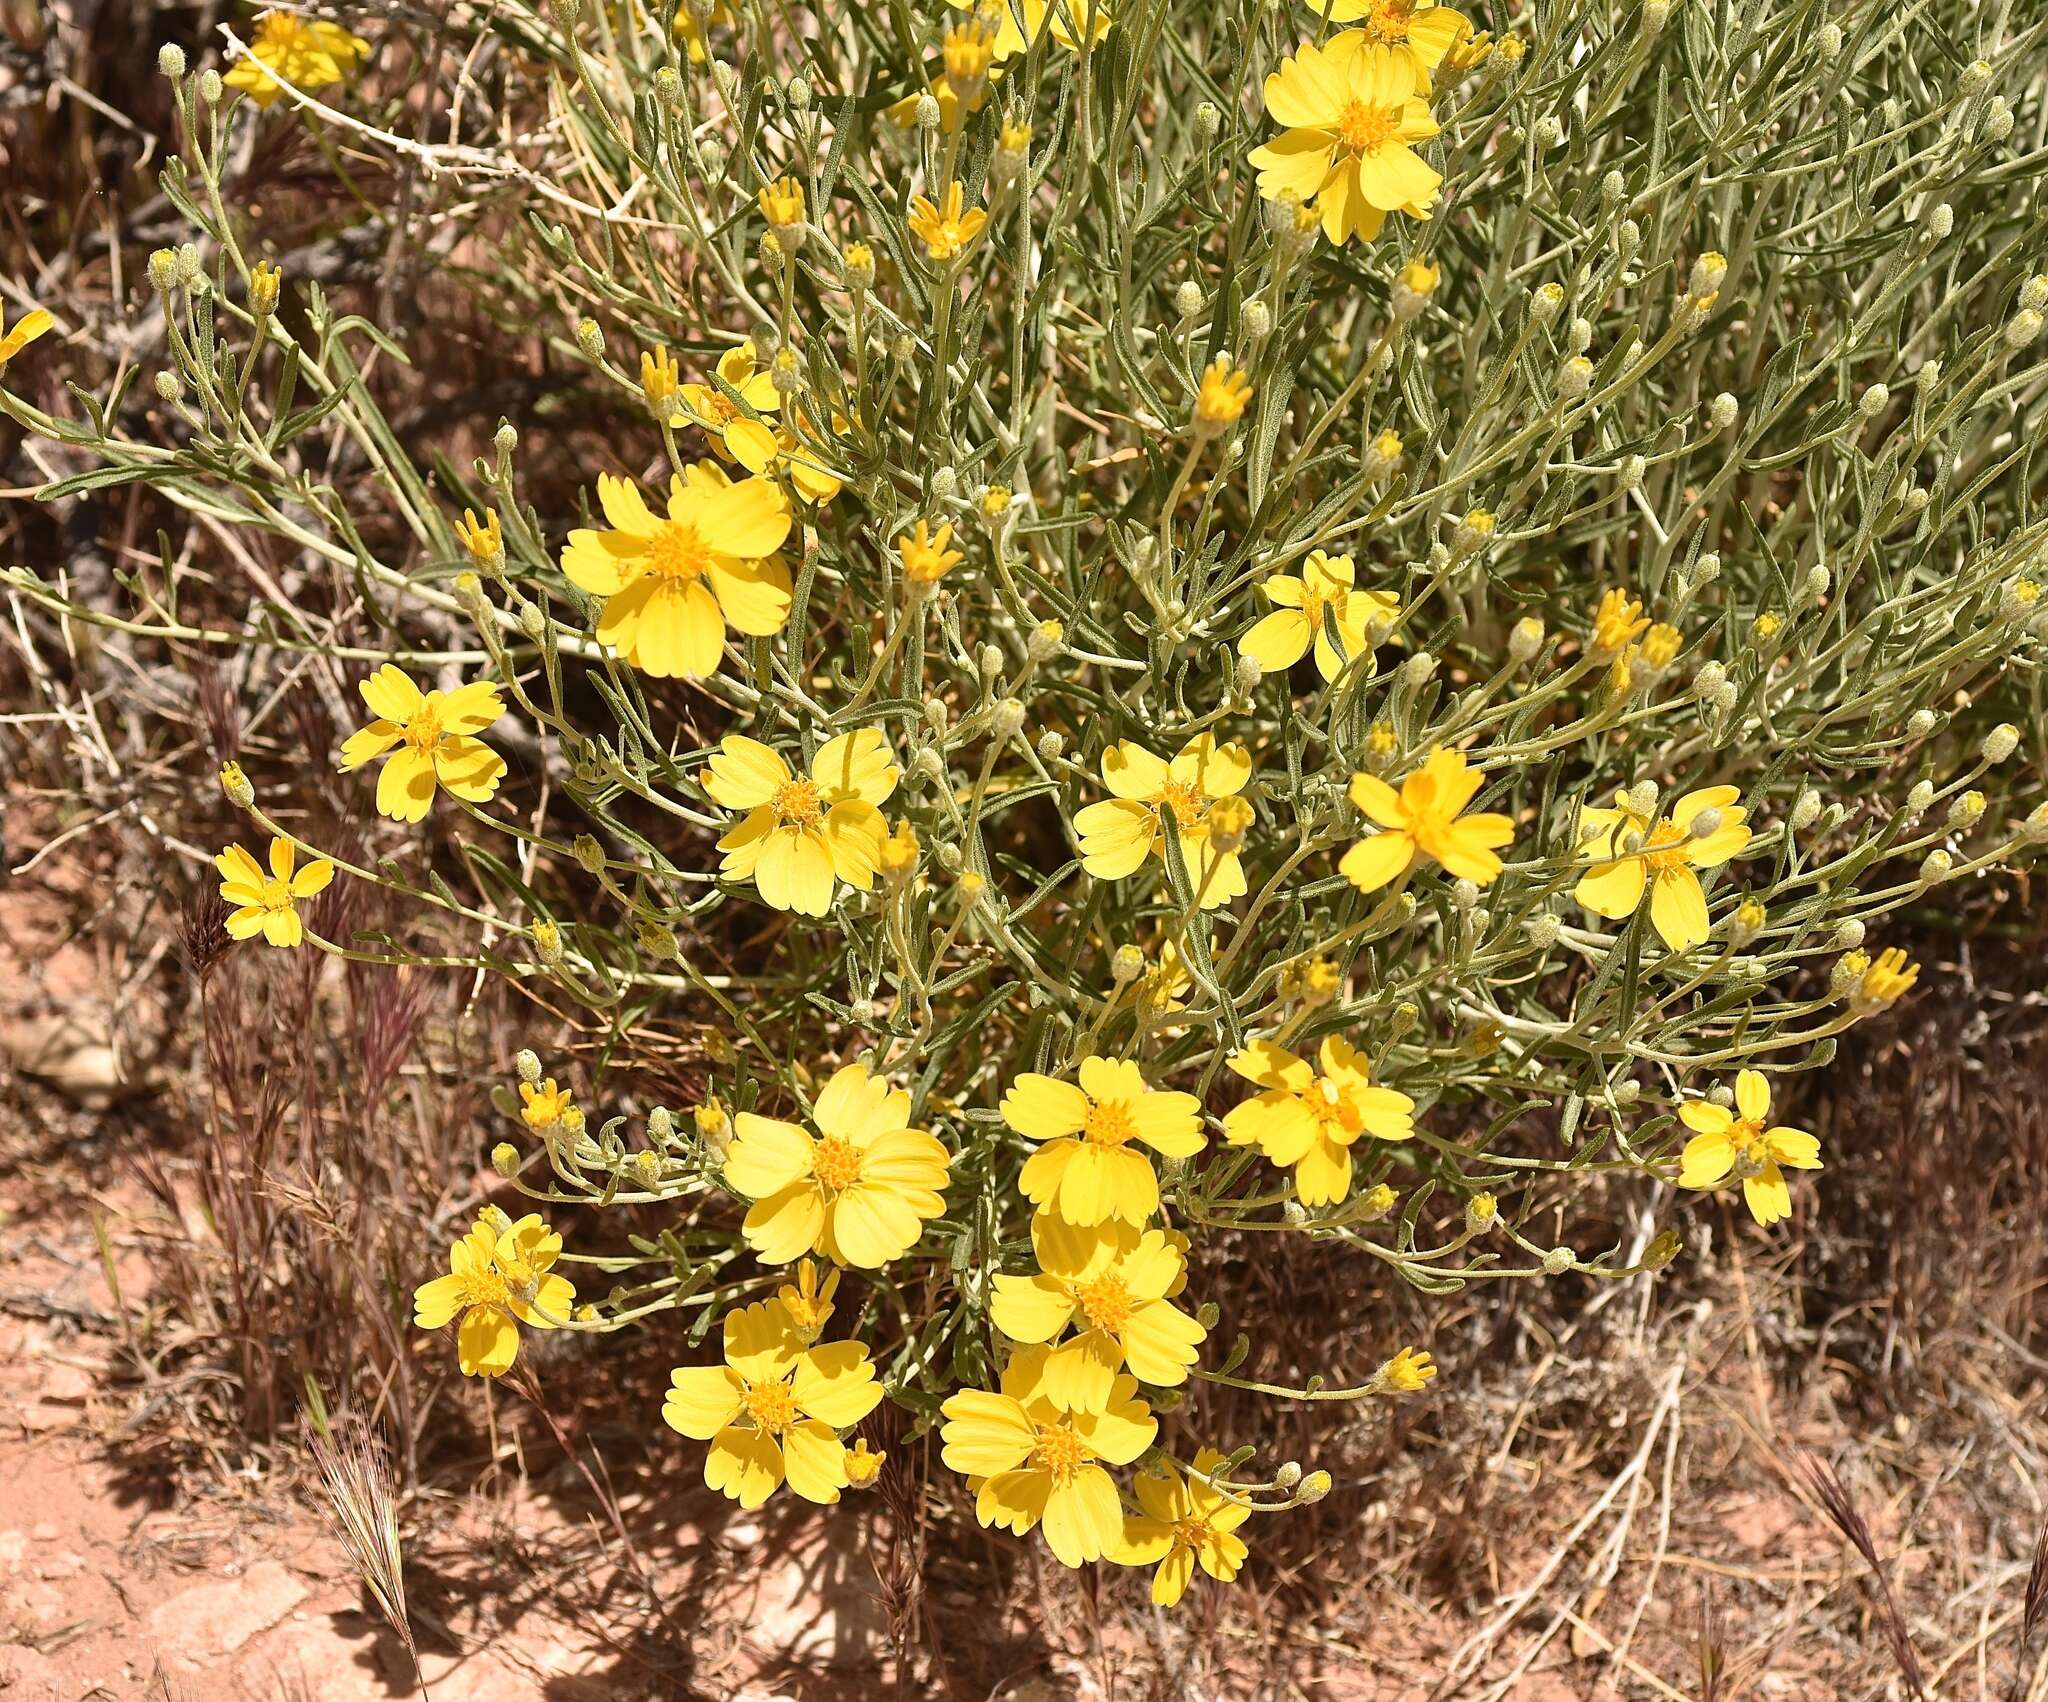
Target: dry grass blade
{"points": [[1713, 1659], [2037, 1589], [1840, 1507], [364, 1505]]}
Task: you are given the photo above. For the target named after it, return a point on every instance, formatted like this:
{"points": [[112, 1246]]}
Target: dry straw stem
{"points": [[1431, 721]]}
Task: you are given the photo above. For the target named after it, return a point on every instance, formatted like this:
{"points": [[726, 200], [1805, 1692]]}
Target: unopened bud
{"points": [[1473, 532], [1964, 810], [1187, 300], [1920, 723], [527, 1063], [1805, 810], [1525, 638], [1745, 922]]}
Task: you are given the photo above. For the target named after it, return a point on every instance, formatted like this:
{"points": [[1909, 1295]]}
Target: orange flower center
{"points": [[1108, 1123], [276, 896], [1388, 20], [770, 1406], [796, 803], [1752, 1151], [423, 729], [1061, 1451], [1332, 1107], [678, 553], [1362, 129], [1105, 1302], [1188, 1533], [836, 1164], [1188, 803], [483, 1287], [719, 409], [1314, 602], [1428, 820], [1665, 849]]}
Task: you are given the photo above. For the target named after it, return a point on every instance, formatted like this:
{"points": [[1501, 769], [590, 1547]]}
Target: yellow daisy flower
{"points": [[1325, 584], [1185, 1520], [1118, 834], [1617, 620], [1350, 113], [1419, 33], [1664, 864], [500, 1275], [801, 834], [1022, 21], [1424, 819], [1737, 1141], [308, 53], [27, 329], [859, 1191], [928, 556], [863, 1464], [434, 735], [1040, 1465], [268, 904], [541, 1107], [717, 414], [1108, 1282], [773, 1411], [1407, 1372], [949, 230], [1085, 1168], [672, 586], [809, 1300], [1222, 396], [1308, 1120]]}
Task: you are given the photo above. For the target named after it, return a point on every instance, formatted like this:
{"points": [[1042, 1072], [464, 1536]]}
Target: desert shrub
{"points": [[1163, 627]]}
